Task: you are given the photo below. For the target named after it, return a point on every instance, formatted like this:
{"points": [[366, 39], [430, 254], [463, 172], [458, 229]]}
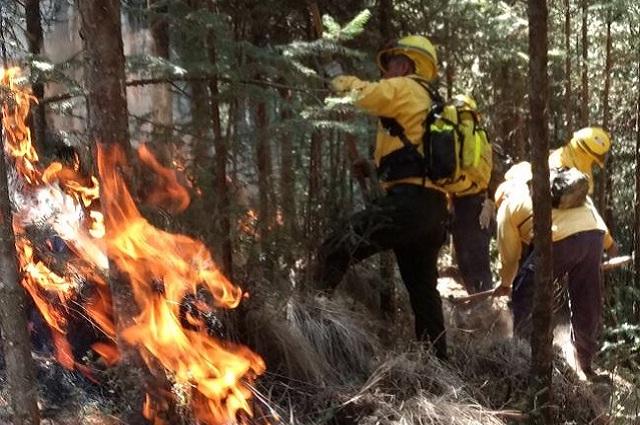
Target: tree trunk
{"points": [[221, 187], [16, 342], [287, 180], [450, 70], [387, 260], [104, 72], [568, 106], [385, 8], [3, 43], [505, 111], [542, 337], [107, 124], [636, 239], [312, 219], [315, 182], [37, 122], [522, 147], [263, 160], [604, 189], [106, 102], [162, 99], [584, 105]]}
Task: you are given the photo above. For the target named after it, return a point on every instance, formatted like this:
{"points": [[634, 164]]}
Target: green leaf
{"points": [[331, 26], [356, 26]]}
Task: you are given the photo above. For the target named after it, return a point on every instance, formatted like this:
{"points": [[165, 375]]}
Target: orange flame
{"points": [[50, 291], [167, 193], [16, 131], [175, 282], [166, 271]]}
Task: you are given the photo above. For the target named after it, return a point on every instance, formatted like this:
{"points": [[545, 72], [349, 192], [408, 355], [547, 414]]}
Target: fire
{"points": [[167, 272], [248, 224], [177, 287], [50, 291], [16, 131], [168, 193]]}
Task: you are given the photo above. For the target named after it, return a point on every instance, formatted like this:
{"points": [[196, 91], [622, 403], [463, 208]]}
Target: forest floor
{"points": [[333, 362]]}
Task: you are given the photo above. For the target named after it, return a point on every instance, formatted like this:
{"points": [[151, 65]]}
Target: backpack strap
{"points": [[433, 93], [396, 130]]}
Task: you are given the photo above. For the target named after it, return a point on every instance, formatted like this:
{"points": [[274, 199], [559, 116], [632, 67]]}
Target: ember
{"points": [[176, 285]]}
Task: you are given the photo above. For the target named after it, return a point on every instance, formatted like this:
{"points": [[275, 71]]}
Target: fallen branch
{"points": [[511, 415], [608, 265]]}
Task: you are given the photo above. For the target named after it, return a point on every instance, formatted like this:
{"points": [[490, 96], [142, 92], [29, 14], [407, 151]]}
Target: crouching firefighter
{"points": [[579, 236], [410, 218]]}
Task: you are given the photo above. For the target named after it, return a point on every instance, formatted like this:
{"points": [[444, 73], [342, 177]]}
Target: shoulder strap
{"points": [[395, 129], [433, 92]]}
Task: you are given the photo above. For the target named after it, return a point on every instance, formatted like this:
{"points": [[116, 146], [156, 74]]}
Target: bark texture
{"points": [[35, 44], [542, 337], [584, 102], [16, 341], [568, 105]]}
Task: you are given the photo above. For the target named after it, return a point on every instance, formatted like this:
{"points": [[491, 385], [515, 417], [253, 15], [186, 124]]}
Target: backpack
{"points": [[458, 155], [457, 152], [569, 187]]}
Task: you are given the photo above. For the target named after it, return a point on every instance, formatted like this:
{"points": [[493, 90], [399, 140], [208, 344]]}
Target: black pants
{"points": [[471, 243], [410, 220], [578, 257]]}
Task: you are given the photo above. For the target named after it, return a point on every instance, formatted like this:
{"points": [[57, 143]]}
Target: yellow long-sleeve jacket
{"points": [[400, 98], [515, 227]]}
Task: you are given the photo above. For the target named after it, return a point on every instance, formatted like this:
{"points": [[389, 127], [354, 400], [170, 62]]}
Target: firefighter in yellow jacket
{"points": [[579, 236], [586, 149], [410, 219], [472, 217]]}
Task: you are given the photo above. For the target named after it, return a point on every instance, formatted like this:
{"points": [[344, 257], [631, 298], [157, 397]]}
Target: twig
{"points": [[204, 77], [473, 298], [608, 265], [512, 415]]}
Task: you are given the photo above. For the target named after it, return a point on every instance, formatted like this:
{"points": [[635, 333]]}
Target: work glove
{"points": [[333, 69], [486, 214], [361, 167], [343, 83]]}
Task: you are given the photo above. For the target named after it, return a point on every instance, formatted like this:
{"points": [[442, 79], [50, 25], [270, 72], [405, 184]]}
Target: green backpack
{"points": [[458, 154]]}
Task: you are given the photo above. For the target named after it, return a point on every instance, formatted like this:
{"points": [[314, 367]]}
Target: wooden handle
{"points": [[616, 262], [610, 264], [473, 298]]}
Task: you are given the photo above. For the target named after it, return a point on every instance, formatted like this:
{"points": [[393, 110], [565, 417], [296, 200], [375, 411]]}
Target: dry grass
{"points": [[326, 366], [485, 380]]}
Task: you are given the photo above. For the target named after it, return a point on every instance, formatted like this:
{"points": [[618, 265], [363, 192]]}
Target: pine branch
{"points": [[356, 26], [204, 77]]}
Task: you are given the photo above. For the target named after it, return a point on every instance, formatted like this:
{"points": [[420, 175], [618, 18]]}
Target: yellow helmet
{"points": [[417, 48], [593, 142], [465, 102]]}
